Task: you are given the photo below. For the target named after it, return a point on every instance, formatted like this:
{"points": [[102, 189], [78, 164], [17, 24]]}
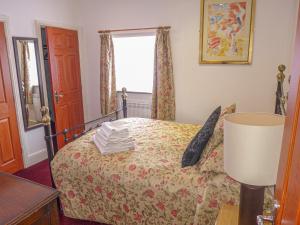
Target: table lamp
{"points": [[252, 145]]}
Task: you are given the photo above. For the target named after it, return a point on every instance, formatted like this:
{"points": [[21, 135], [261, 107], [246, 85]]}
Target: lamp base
{"points": [[251, 204]]}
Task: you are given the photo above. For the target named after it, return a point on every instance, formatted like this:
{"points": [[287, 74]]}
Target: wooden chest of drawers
{"points": [[25, 202]]}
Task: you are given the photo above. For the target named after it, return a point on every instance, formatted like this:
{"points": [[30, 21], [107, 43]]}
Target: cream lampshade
{"points": [[252, 145]]}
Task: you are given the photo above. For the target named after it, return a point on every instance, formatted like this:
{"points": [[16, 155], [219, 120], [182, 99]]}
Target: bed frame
{"points": [[50, 137]]}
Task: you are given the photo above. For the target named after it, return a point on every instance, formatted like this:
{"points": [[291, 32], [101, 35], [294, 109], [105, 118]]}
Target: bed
{"points": [[146, 185]]}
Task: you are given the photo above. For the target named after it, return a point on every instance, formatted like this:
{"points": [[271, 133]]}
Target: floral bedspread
{"points": [[144, 186]]}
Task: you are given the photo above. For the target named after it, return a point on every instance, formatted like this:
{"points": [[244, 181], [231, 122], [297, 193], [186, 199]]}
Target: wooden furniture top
{"points": [[20, 197], [228, 215]]}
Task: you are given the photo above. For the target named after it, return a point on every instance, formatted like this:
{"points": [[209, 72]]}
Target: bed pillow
{"points": [[219, 130], [214, 161], [218, 135], [195, 148]]}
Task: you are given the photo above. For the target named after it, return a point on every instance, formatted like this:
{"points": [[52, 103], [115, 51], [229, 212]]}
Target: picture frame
{"points": [[226, 31]]}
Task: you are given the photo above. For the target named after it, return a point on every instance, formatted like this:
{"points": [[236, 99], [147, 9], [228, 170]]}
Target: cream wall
{"points": [[20, 16], [199, 88]]}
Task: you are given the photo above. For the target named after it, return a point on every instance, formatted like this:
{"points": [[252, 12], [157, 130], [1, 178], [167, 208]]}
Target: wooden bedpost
{"points": [[124, 102]]}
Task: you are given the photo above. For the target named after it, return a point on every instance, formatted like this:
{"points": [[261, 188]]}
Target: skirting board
{"points": [[36, 157]]}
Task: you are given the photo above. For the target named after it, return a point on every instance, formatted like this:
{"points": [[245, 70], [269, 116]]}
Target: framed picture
{"points": [[226, 31]]}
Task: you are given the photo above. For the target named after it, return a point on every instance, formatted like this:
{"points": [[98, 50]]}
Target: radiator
{"points": [[138, 104], [139, 109]]}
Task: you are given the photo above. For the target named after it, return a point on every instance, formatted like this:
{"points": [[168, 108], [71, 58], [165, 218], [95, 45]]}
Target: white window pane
{"points": [[134, 62]]}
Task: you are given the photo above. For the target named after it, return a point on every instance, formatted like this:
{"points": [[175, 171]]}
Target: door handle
{"points": [[57, 96], [271, 219]]}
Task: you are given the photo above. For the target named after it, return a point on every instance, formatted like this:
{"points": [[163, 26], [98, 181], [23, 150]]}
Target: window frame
{"points": [[134, 34]]}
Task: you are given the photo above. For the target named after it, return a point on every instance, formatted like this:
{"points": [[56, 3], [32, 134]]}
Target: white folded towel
{"points": [[115, 128], [112, 149], [113, 137], [112, 140]]}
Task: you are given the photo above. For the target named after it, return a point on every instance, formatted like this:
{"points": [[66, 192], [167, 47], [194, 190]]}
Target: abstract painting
{"points": [[226, 33]]}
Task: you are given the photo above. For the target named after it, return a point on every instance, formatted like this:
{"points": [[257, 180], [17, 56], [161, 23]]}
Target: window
{"points": [[134, 62], [34, 80]]}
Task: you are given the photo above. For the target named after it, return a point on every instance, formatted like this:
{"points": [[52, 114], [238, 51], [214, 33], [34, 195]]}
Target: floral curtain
{"points": [[108, 94], [25, 56], [163, 94]]}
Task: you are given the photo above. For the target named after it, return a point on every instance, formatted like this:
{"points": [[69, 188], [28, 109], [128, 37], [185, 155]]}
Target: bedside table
{"points": [[25, 202], [228, 215]]}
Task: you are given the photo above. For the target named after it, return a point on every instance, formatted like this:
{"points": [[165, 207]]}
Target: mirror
{"points": [[29, 79]]}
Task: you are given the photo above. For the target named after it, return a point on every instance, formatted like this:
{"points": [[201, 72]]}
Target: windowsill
{"points": [[136, 92]]}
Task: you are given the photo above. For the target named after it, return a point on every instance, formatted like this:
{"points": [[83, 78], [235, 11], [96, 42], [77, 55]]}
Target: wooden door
{"points": [[65, 79], [10, 147], [288, 179]]}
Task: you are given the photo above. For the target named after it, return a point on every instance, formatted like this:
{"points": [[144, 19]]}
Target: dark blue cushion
{"points": [[195, 148]]}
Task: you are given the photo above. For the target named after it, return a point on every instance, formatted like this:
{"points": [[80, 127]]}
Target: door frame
{"points": [[289, 144], [41, 23], [14, 80]]}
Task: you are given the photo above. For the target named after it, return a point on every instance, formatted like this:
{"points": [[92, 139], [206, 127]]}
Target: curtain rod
{"points": [[133, 29]]}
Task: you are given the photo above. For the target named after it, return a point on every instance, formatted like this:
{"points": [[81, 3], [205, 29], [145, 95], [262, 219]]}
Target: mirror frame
{"points": [[39, 74]]}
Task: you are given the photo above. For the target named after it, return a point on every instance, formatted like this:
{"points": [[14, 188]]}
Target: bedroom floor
{"points": [[40, 173]]}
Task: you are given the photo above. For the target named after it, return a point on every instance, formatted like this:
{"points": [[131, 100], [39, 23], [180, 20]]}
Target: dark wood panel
{"points": [[4, 109], [75, 106], [2, 90], [11, 153], [58, 70], [62, 121], [7, 153], [72, 82]]}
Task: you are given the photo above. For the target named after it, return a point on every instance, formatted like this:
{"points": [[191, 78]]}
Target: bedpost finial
{"points": [[281, 68], [45, 116], [280, 75]]}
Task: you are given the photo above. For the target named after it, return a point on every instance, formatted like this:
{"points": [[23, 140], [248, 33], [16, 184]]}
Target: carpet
{"points": [[40, 173]]}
